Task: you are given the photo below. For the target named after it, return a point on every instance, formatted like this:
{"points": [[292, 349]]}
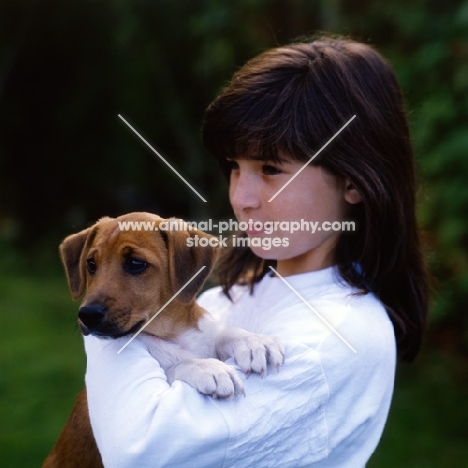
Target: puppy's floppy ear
{"points": [[186, 260], [70, 252]]}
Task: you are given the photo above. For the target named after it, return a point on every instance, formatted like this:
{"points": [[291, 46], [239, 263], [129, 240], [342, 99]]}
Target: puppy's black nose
{"points": [[92, 315]]}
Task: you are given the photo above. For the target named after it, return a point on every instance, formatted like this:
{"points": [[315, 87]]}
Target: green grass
{"points": [[427, 426], [42, 366]]}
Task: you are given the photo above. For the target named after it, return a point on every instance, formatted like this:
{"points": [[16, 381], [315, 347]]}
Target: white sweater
{"points": [[326, 407]]}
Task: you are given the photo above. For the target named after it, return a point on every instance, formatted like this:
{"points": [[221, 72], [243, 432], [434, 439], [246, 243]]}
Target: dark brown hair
{"points": [[291, 100]]}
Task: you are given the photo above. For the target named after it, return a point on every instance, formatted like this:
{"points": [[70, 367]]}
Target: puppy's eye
{"points": [[91, 266], [135, 266]]}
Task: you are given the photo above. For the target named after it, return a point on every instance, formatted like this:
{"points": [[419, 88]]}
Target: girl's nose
{"points": [[243, 192]]}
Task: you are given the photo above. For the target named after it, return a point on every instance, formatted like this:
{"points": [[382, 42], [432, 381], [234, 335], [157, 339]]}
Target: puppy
{"points": [[145, 278]]}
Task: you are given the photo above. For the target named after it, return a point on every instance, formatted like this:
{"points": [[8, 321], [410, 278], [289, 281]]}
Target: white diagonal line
{"points": [[314, 310], [160, 157], [312, 158], [160, 310]]}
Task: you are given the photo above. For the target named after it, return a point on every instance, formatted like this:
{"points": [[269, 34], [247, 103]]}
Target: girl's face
{"points": [[314, 196]]}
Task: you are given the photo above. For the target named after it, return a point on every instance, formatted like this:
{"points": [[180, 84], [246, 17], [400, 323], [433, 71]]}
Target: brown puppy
{"points": [[130, 278]]}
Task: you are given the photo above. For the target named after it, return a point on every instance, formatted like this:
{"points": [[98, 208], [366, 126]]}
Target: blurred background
{"points": [[67, 69]]}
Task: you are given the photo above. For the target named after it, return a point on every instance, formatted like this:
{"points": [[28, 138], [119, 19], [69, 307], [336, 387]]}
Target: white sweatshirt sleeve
{"points": [[140, 421]]}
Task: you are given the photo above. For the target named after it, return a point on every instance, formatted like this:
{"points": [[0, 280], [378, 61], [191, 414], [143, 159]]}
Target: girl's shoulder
{"points": [[307, 305]]}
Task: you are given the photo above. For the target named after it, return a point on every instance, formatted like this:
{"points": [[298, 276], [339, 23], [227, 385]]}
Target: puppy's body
{"points": [[146, 278]]}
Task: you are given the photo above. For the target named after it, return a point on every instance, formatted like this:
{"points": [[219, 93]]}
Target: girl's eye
{"points": [[270, 170]]}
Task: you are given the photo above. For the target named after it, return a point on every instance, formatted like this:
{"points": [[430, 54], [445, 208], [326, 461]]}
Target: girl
{"points": [[328, 405]]}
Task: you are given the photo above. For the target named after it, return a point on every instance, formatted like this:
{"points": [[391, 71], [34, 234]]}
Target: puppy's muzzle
{"points": [[94, 320], [91, 316]]}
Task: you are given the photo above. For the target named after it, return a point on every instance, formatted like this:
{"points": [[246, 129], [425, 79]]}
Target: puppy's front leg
{"points": [[208, 376], [251, 352]]}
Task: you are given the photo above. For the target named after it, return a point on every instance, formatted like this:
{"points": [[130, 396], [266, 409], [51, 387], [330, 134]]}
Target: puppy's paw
{"points": [[251, 352], [209, 376], [255, 352]]}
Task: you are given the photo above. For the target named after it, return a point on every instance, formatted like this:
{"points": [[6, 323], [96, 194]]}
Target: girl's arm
{"points": [[140, 421], [326, 406]]}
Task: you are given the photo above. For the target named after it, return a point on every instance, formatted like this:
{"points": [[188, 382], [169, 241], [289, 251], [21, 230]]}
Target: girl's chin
{"points": [[274, 253]]}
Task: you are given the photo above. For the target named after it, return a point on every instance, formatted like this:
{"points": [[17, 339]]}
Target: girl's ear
{"points": [[351, 193]]}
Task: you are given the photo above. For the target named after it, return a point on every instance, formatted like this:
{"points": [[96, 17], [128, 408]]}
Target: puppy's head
{"points": [[127, 275]]}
